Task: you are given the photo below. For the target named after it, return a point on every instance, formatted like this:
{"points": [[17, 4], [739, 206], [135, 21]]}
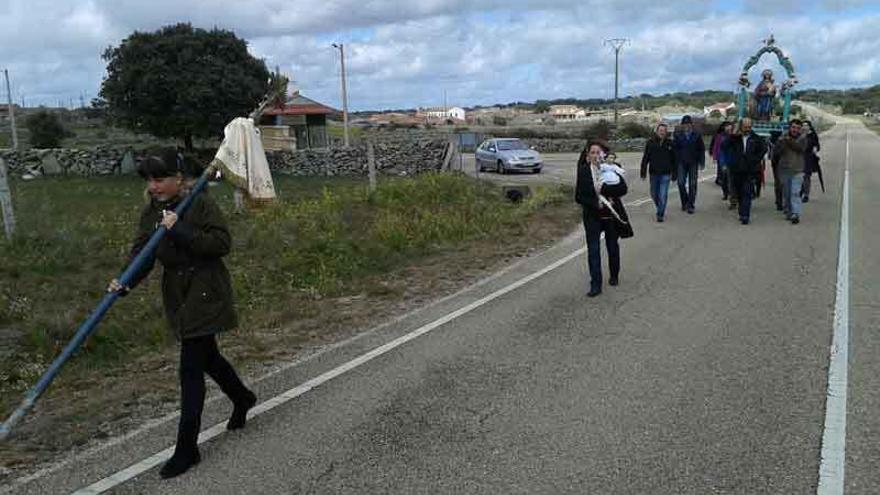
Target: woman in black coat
{"points": [[811, 159], [598, 215]]}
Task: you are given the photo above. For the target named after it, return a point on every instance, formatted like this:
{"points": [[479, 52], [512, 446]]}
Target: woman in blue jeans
{"points": [[598, 214]]}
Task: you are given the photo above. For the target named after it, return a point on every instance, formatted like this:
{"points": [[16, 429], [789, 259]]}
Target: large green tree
{"points": [[182, 82]]}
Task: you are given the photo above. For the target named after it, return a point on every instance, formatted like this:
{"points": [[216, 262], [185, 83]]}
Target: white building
{"points": [[456, 113], [720, 109], [567, 113]]}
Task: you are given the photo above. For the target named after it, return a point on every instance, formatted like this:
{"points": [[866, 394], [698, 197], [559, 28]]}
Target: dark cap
{"points": [[686, 119]]}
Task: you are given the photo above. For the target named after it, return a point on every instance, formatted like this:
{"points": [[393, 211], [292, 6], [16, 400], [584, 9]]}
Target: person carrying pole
{"points": [[197, 296]]}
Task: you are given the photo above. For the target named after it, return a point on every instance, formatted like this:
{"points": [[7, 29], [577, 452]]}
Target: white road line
{"points": [[145, 465], [833, 463]]}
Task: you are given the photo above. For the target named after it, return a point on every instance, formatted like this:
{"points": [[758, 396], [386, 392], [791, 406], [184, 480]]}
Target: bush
{"points": [[635, 130], [45, 129], [498, 120], [599, 130]]}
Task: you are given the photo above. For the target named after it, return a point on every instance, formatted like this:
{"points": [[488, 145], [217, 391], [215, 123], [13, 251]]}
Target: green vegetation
{"points": [[45, 130], [850, 101], [182, 82], [323, 237]]}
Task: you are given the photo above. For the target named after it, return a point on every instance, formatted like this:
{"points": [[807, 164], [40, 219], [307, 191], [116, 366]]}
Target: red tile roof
{"points": [[300, 105]]}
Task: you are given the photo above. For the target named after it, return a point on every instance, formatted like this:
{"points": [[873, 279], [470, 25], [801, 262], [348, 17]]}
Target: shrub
{"points": [[45, 129], [635, 130]]}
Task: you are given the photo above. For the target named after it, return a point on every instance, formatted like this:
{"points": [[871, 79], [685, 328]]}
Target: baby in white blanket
{"points": [[610, 174]]}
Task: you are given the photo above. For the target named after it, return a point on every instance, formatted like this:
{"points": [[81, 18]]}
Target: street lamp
{"points": [[341, 48], [617, 44]]}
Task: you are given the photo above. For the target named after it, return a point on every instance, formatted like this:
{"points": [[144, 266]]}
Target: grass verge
{"points": [[328, 258]]}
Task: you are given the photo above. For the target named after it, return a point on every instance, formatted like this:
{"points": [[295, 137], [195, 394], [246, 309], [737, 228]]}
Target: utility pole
{"points": [[11, 111], [341, 48], [617, 44]]}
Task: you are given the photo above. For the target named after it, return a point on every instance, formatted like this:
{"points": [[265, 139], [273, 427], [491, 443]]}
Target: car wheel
{"points": [[500, 168]]}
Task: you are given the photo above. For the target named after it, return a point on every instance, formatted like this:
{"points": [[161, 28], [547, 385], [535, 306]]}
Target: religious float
{"points": [[761, 107]]}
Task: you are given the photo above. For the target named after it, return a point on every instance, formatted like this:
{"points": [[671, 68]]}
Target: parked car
{"points": [[508, 155]]}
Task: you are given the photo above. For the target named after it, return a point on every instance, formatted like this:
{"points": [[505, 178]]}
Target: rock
{"points": [[51, 165], [127, 165]]}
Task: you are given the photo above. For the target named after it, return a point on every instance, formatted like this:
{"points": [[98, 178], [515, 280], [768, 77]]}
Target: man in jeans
{"points": [[790, 152], [690, 153], [659, 160]]}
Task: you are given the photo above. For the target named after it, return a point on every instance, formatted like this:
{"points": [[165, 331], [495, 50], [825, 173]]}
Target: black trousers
{"points": [[743, 185], [777, 185], [199, 355], [594, 226]]}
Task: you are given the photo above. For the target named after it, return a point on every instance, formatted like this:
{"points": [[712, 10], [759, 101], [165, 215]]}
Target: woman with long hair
{"points": [[602, 211]]}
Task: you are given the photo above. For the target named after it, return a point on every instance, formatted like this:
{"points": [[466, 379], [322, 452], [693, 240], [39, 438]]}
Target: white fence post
{"points": [[6, 202]]}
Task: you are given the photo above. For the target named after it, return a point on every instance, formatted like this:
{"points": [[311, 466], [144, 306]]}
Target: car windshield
{"points": [[512, 144]]}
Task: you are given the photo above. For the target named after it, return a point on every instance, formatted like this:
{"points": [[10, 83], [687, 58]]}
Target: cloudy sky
{"points": [[407, 53]]}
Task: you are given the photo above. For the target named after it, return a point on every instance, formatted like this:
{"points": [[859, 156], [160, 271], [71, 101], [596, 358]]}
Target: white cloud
{"points": [[403, 54]]}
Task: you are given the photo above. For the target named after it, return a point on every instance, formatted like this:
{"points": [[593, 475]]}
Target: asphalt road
{"points": [[705, 371]]}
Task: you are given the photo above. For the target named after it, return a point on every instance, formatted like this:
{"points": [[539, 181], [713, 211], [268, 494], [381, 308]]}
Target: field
{"points": [[327, 259]]}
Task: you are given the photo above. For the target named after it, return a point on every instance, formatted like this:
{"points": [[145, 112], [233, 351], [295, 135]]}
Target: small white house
{"points": [[456, 113], [567, 113]]}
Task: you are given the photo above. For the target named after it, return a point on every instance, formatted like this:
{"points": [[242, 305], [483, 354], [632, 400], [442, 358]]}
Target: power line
{"points": [[617, 44]]}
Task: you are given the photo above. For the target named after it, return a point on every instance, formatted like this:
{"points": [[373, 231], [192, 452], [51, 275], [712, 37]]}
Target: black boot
{"points": [[180, 462], [239, 412]]}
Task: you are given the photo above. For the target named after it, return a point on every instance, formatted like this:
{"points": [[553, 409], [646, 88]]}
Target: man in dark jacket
{"points": [[690, 155], [197, 296], [659, 161], [746, 150]]}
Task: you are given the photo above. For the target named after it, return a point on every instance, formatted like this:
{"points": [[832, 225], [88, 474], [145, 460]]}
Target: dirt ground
{"points": [[77, 416]]}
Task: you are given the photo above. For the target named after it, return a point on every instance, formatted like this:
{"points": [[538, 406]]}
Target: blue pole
{"points": [[88, 327]]}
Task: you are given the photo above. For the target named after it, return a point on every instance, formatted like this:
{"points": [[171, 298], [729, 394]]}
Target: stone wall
{"points": [[62, 161], [392, 158], [403, 158]]}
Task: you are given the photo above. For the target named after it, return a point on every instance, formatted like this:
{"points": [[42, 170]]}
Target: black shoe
{"points": [[613, 281], [660, 218], [731, 206], [239, 412], [691, 210], [795, 220], [744, 221], [806, 199], [684, 207], [179, 464], [723, 197], [594, 292], [779, 208]]}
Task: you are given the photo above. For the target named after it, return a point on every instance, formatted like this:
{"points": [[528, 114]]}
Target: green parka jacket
{"points": [[196, 287]]}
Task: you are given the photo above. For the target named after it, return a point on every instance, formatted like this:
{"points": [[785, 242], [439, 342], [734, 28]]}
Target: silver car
{"points": [[508, 155]]}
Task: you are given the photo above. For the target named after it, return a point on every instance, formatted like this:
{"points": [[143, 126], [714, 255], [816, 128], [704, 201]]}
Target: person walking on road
{"points": [[197, 295], [746, 149], [658, 160], [811, 159], [690, 156], [790, 151], [777, 174], [722, 158], [715, 149], [602, 212]]}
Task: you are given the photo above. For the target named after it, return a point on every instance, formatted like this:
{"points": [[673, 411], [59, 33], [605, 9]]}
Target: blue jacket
{"points": [[690, 149]]}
